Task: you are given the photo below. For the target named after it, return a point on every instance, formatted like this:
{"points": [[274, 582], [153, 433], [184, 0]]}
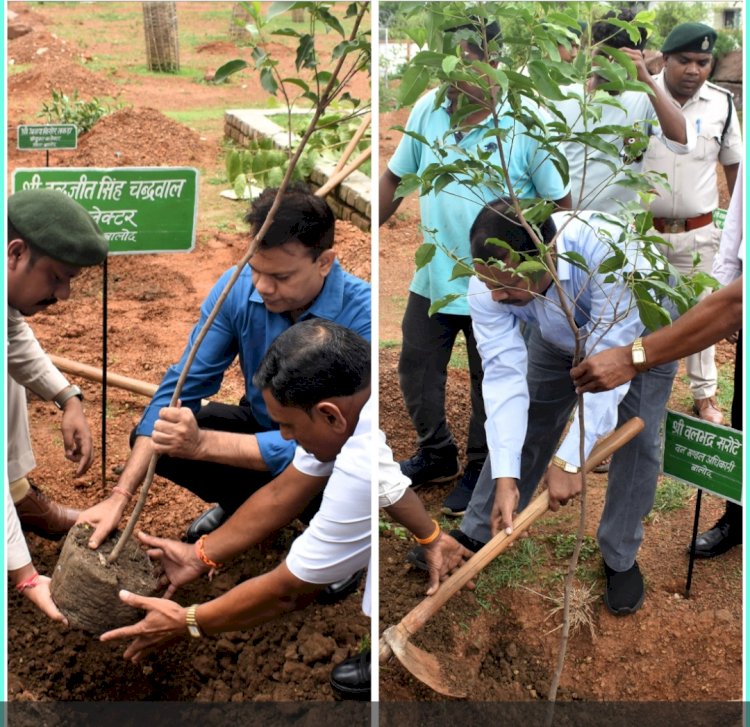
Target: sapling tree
{"points": [[518, 85]]}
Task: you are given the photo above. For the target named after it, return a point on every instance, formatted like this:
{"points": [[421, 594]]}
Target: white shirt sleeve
{"points": [[18, 551], [505, 391], [392, 483], [728, 262]]}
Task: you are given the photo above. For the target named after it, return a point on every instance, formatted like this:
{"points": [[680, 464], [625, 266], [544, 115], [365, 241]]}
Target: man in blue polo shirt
{"points": [[446, 219], [294, 276]]}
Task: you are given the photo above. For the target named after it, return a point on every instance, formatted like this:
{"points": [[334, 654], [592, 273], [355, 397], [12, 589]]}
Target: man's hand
{"points": [[443, 556], [179, 560], [176, 433], [640, 64], [105, 517], [77, 435], [506, 502], [604, 371], [165, 621], [41, 597], [562, 486]]}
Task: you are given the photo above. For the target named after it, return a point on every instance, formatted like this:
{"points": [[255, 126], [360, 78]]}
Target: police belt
{"points": [[673, 225]]}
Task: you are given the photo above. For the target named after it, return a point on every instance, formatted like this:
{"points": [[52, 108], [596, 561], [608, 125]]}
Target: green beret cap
{"points": [[690, 38], [57, 226]]}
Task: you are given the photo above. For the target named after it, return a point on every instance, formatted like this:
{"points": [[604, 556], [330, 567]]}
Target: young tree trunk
{"points": [[240, 18], [162, 43]]}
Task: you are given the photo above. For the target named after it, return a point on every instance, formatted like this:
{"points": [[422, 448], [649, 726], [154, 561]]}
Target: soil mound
{"points": [[66, 76]]}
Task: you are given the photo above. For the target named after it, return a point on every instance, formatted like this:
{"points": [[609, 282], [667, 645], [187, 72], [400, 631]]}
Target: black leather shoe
{"points": [[625, 590], [351, 678], [416, 555], [718, 540], [341, 589], [205, 524]]}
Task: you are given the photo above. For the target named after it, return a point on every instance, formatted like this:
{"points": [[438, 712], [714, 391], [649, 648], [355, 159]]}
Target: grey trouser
{"points": [[634, 469], [423, 371]]}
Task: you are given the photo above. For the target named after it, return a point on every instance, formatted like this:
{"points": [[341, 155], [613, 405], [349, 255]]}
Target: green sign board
{"points": [[35, 137], [719, 217], [706, 455], [139, 209]]}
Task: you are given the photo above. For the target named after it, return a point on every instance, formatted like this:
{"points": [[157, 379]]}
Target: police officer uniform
{"points": [[684, 215]]}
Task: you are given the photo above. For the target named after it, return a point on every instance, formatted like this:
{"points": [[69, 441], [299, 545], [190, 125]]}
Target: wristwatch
{"points": [[571, 469], [638, 355], [192, 625], [67, 393]]}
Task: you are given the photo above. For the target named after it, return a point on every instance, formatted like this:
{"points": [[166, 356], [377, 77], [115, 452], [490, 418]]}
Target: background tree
{"points": [[162, 42]]}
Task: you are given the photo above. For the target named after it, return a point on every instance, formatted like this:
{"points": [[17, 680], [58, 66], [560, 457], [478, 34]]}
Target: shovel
{"points": [[426, 667]]}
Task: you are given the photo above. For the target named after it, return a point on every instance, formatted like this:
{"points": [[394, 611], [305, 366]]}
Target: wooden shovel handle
{"points": [[419, 615]]}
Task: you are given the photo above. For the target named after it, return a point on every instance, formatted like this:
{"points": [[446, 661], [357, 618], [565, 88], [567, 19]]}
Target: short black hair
{"points": [[314, 360], [301, 216], [34, 252], [498, 220], [484, 31], [613, 35]]}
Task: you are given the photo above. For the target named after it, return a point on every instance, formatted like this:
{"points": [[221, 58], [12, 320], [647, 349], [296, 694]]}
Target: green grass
{"points": [[386, 344], [563, 543], [670, 495], [724, 392], [397, 530], [516, 566], [202, 120], [459, 357]]}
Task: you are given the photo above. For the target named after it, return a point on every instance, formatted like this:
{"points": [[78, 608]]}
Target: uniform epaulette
{"points": [[720, 88]]}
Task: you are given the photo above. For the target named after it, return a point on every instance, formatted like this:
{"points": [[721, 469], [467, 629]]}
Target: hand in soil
{"points": [[40, 596], [77, 435], [165, 621], [444, 556], [179, 560], [176, 433], [562, 486], [104, 517], [504, 506]]}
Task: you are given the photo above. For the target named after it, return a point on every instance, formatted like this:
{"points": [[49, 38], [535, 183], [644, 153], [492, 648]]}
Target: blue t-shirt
{"points": [[453, 210], [245, 328]]}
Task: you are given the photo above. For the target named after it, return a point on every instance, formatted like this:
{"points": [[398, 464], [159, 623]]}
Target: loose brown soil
{"points": [[673, 649], [153, 301]]}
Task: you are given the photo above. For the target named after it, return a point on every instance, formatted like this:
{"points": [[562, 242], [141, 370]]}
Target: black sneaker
{"points": [[432, 466], [625, 591], [416, 555], [458, 500]]}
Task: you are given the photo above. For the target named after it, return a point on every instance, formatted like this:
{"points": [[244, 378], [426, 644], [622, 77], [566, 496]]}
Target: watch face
{"points": [[194, 632], [639, 356]]}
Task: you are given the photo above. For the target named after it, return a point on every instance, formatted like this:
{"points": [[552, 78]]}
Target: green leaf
{"points": [[449, 64], [531, 266], [409, 183], [268, 81], [546, 86], [296, 82], [305, 52], [280, 7], [575, 258], [652, 315], [425, 252], [229, 68], [413, 84], [439, 304], [461, 270], [233, 164]]}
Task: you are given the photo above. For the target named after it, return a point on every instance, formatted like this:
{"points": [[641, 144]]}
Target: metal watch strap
{"points": [[565, 466], [67, 393], [192, 624]]}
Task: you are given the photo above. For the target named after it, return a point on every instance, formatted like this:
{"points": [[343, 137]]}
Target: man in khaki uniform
{"points": [[683, 216]]}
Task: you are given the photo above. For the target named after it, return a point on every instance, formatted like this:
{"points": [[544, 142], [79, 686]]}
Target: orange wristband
{"points": [[201, 553], [431, 537]]}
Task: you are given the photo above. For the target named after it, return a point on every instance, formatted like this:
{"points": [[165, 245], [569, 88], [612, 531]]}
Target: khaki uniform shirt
{"points": [[692, 176]]}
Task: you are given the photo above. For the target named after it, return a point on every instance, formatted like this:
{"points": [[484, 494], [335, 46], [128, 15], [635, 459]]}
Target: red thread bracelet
{"points": [[122, 491], [201, 553], [30, 582]]}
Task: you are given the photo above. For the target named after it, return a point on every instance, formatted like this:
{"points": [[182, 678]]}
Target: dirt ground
{"points": [[153, 301], [674, 649]]}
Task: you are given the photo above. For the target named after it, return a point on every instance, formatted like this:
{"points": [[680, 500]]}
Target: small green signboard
{"points": [[706, 455], [36, 137], [719, 217], [139, 209]]}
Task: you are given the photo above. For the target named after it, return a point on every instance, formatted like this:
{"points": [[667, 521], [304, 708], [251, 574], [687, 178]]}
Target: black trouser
{"points": [[227, 485], [733, 513], [423, 372]]}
